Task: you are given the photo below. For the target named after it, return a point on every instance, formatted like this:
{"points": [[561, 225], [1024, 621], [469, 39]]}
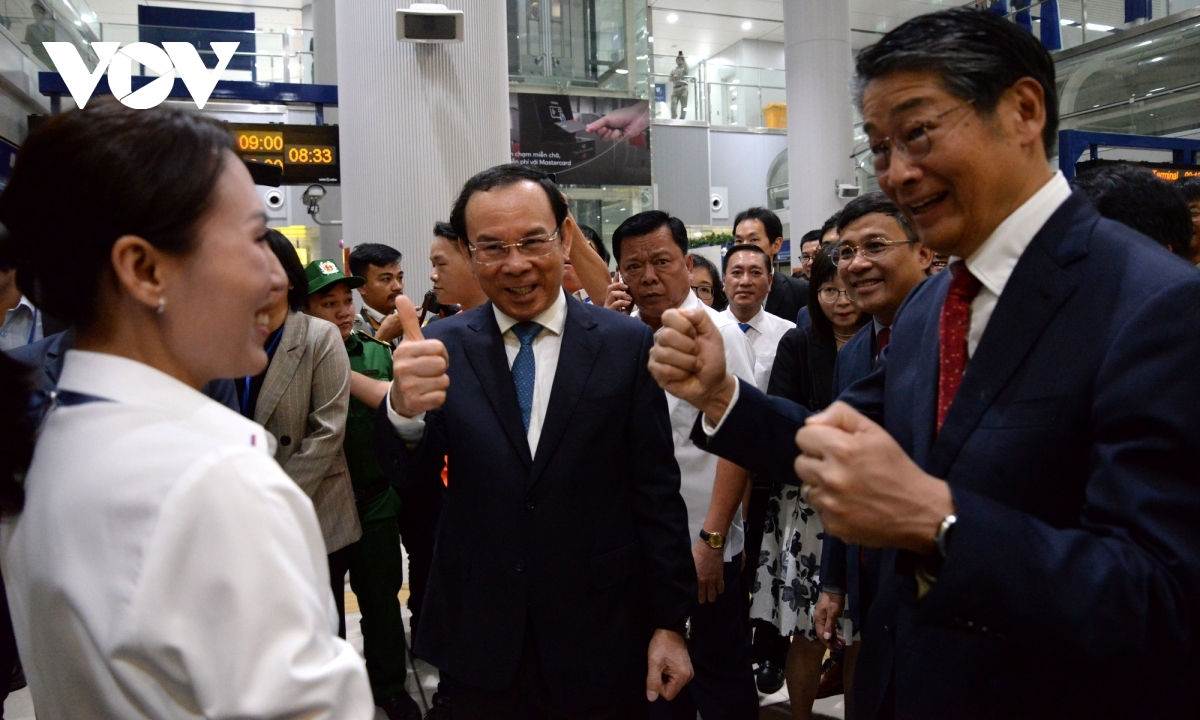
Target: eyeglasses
{"points": [[807, 257], [703, 291], [913, 142], [873, 249], [531, 248], [829, 294]]}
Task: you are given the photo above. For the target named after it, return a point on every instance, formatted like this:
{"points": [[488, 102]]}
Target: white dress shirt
{"points": [[22, 325], [164, 566], [545, 359], [697, 468], [992, 263], [764, 334]]}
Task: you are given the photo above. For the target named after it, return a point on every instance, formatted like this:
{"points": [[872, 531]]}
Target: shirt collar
{"points": [[374, 314], [553, 318], [993, 263], [878, 326], [23, 302], [757, 322]]}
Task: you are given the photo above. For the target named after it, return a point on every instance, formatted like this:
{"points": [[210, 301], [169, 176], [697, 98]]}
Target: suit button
{"points": [[529, 505], [520, 566], [887, 628], [284, 440]]}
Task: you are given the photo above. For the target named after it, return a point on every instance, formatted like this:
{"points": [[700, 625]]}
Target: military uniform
{"points": [[375, 563]]}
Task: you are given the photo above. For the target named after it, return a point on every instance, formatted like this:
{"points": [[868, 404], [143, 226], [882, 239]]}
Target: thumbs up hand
{"points": [[418, 367]]}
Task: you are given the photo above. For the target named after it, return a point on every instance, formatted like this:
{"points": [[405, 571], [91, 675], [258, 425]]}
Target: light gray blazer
{"points": [[304, 400]]}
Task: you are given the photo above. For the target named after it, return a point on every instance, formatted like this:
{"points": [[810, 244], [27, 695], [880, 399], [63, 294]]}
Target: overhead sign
{"points": [[1170, 172], [306, 153], [117, 61]]}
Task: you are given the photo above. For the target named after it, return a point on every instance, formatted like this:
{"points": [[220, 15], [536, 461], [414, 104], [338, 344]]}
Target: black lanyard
{"points": [[270, 349]]}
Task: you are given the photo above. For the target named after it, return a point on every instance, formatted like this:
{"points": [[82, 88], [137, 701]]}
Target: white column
{"points": [[820, 134], [415, 122]]}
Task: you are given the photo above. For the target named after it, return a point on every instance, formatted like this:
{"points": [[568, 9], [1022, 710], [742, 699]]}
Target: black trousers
{"points": [[419, 513], [719, 644], [527, 699]]}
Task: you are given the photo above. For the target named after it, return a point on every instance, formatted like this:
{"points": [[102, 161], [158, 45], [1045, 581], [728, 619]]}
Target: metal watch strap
{"points": [[942, 539]]}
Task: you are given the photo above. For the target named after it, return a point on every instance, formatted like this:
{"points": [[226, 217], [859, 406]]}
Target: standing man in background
{"points": [[810, 243], [679, 88], [379, 265], [747, 282], [761, 227]]}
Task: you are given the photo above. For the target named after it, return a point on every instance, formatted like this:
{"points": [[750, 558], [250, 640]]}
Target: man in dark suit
{"points": [[1035, 483], [759, 226], [562, 575]]}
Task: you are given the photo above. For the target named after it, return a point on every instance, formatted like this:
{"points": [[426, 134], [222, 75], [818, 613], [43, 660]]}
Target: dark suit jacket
{"points": [[787, 296], [1073, 454], [841, 563], [804, 368], [46, 357], [588, 541]]}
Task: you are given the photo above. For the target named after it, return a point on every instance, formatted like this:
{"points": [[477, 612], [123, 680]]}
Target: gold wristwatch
{"points": [[715, 540]]}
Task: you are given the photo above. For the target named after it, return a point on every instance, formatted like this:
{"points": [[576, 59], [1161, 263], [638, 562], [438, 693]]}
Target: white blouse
{"points": [[164, 566]]}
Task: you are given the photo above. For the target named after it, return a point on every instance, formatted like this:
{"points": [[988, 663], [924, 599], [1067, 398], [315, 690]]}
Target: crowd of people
{"points": [[650, 492]]}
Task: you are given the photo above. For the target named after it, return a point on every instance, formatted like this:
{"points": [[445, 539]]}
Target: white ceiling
{"points": [[706, 27]]}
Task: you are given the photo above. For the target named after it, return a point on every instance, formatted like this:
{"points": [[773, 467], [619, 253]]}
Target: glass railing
{"points": [[1081, 21], [34, 22], [581, 45], [721, 94]]}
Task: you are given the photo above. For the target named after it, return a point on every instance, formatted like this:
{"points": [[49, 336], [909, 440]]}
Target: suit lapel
{"points": [[1039, 285], [485, 352], [576, 356], [283, 366]]}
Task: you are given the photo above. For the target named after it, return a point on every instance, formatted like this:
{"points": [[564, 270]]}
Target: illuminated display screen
{"points": [[307, 153], [1170, 172]]}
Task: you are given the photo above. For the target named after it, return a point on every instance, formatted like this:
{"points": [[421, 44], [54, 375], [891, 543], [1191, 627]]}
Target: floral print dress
{"points": [[789, 564]]}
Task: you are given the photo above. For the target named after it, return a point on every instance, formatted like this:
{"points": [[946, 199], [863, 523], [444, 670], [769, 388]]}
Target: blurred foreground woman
{"points": [[163, 565]]}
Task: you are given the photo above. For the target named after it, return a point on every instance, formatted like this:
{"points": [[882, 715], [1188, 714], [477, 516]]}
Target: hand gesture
{"points": [[825, 617], [688, 361], [622, 123], [418, 366], [617, 297], [864, 486], [670, 666], [391, 328]]}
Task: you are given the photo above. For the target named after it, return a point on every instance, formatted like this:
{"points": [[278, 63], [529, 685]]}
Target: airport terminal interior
{"points": [[361, 119]]}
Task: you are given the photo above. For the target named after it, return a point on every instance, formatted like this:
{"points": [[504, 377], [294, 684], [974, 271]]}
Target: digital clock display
{"points": [[310, 154], [307, 153]]}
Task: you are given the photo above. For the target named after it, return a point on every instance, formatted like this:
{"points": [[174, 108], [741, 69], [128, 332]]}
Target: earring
{"points": [[162, 306]]}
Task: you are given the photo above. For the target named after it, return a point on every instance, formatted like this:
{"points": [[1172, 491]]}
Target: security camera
{"points": [[312, 198], [846, 192], [717, 202], [429, 23], [274, 199]]}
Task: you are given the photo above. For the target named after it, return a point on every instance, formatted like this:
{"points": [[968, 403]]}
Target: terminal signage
{"points": [[306, 153], [1166, 171], [172, 58]]}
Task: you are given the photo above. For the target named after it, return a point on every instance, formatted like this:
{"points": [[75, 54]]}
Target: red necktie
{"points": [[881, 341], [955, 324]]}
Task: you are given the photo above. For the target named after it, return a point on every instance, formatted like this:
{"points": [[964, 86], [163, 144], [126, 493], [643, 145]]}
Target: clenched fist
{"points": [[418, 367]]}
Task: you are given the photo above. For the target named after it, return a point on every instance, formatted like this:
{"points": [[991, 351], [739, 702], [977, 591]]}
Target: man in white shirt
{"points": [[379, 265], [561, 582], [22, 321], [651, 252], [747, 282]]}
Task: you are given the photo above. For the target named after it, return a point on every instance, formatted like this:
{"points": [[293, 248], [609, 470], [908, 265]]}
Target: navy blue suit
{"points": [[842, 564], [585, 547], [1072, 451]]}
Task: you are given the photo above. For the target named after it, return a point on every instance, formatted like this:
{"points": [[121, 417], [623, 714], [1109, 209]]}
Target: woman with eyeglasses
{"points": [[162, 565], [786, 588], [706, 283]]}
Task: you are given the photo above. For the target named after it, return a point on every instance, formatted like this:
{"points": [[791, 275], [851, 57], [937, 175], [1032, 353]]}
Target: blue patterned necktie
{"points": [[744, 326], [524, 371]]}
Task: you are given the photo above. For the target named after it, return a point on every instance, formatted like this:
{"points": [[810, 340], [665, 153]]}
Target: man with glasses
{"points": [[651, 253], [1027, 452], [561, 580], [810, 243]]}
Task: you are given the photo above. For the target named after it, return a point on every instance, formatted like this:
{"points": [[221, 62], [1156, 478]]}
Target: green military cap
{"points": [[323, 273]]}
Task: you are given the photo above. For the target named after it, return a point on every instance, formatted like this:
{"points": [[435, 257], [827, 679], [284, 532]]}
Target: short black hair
{"points": [[720, 302], [1138, 198], [597, 242], [873, 202], [748, 247], [367, 254], [824, 268], [442, 229], [770, 221], [977, 54], [290, 260], [6, 254], [1190, 187], [812, 236], [645, 223], [830, 223], [499, 177]]}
